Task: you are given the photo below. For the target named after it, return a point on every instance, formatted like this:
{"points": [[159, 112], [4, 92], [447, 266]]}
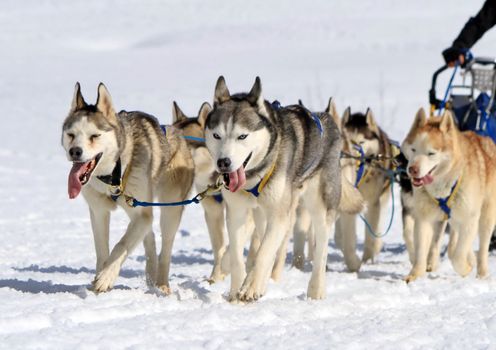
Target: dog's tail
{"points": [[351, 199]]}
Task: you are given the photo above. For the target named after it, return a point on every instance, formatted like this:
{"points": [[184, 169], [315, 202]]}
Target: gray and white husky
{"points": [[126, 154], [205, 175], [213, 206], [273, 160]]}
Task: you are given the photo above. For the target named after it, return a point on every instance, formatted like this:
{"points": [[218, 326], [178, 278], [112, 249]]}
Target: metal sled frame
{"points": [[481, 73]]}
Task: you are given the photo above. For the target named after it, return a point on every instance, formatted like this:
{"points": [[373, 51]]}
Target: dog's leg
{"points": [[236, 229], [100, 221], [435, 249], [408, 229], [338, 234], [301, 232], [322, 223], [373, 216], [140, 225], [252, 233], [214, 217], [151, 259], [463, 258], [276, 229], [347, 225], [170, 217], [424, 230], [453, 241], [281, 257], [310, 243], [486, 227]]}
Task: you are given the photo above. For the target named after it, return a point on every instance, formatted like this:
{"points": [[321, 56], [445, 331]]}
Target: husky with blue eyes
{"points": [[272, 160], [453, 175]]}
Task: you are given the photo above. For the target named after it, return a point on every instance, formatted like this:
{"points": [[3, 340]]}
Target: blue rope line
{"points": [[194, 138], [137, 203], [448, 89], [369, 228], [361, 167]]}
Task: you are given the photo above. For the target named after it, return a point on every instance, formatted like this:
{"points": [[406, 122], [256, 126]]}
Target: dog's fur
{"points": [[247, 138], [362, 130], [408, 220], [214, 209], [205, 175], [439, 155], [155, 166]]}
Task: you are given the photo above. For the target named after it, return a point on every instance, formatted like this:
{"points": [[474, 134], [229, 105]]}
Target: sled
{"points": [[473, 99]]}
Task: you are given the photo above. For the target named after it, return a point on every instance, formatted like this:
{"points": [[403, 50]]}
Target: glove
{"points": [[452, 54]]}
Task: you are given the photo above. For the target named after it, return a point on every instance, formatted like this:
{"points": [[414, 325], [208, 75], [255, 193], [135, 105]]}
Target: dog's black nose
{"points": [[224, 163], [76, 152]]}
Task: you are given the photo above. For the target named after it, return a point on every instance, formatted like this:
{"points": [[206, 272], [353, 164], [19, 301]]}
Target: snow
{"points": [[369, 53]]}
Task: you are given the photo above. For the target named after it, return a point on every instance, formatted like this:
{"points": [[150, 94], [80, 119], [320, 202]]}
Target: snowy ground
{"points": [[368, 53]]}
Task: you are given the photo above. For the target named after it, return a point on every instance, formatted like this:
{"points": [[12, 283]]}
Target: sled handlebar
{"points": [[433, 100], [484, 61]]}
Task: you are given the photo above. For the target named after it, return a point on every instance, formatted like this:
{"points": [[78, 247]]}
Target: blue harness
{"points": [[445, 203], [361, 166], [218, 198]]}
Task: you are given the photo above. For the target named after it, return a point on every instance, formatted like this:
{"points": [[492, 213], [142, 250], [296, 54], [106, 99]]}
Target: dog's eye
{"points": [[430, 154], [94, 136], [242, 137], [216, 136], [414, 150]]}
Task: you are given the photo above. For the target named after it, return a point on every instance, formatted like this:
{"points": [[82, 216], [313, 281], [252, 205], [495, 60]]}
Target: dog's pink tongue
{"points": [[427, 179], [74, 184], [237, 179]]}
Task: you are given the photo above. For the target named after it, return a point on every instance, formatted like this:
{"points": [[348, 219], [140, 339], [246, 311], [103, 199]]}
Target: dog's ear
{"points": [[177, 114], [346, 116], [333, 112], [255, 96], [221, 92], [205, 109], [420, 119], [370, 120], [447, 123], [78, 101], [104, 102]]}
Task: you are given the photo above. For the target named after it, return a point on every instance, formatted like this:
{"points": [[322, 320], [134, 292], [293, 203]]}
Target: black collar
{"points": [[113, 179]]}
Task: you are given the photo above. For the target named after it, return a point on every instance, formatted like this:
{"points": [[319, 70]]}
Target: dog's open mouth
{"points": [[80, 174], [236, 179], [426, 180]]}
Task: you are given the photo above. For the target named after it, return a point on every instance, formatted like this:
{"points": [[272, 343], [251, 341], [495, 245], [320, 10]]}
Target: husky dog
{"points": [[362, 133], [303, 230], [273, 160], [205, 174], [125, 153], [454, 178], [408, 220], [214, 207]]}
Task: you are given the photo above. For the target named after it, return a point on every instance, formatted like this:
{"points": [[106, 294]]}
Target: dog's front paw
{"points": [[105, 280], [353, 263], [414, 274], [215, 277], [432, 265], [251, 289], [316, 290], [165, 289], [463, 266]]}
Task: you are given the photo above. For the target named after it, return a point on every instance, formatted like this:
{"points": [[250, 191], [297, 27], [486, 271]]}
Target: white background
{"points": [[363, 53]]}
